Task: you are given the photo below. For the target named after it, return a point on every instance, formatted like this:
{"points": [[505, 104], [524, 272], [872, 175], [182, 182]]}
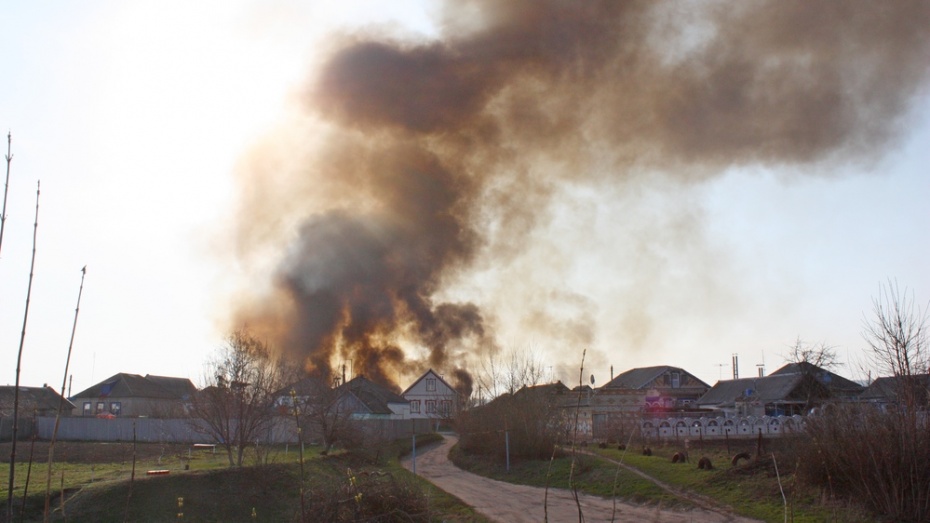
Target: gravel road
{"points": [[509, 503]]}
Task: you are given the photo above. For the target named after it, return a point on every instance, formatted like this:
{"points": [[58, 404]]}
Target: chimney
{"points": [[735, 366]]}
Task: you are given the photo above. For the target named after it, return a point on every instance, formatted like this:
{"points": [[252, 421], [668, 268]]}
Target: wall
{"points": [[719, 427]]}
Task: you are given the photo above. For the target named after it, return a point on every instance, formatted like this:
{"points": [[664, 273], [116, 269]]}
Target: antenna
{"points": [[720, 367]]}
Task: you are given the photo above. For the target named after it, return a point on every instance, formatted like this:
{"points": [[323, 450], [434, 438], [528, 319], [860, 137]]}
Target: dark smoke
{"points": [[434, 148]]}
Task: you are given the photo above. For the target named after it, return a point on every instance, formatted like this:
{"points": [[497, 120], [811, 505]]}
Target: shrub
{"points": [[877, 458]]}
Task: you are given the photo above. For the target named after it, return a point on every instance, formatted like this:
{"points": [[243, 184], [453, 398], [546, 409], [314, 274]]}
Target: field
{"points": [[95, 479]]}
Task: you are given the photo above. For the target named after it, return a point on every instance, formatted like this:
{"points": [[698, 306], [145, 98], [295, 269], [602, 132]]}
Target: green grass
{"points": [[751, 489], [591, 475], [212, 491]]}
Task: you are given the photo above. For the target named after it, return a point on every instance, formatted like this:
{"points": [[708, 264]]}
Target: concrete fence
{"points": [[720, 427]]}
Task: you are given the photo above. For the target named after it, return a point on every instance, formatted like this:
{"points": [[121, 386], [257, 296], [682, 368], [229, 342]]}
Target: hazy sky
{"points": [[140, 122]]}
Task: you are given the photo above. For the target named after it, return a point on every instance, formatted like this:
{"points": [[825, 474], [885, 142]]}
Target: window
{"points": [[430, 384], [676, 380], [415, 407], [115, 408], [431, 406], [87, 408], [446, 407], [101, 407]]}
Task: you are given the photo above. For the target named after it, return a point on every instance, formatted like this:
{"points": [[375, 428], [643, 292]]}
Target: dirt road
{"points": [[508, 503]]}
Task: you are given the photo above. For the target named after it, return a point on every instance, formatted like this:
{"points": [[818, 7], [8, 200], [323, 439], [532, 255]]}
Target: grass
{"points": [[591, 475], [212, 491], [750, 489]]}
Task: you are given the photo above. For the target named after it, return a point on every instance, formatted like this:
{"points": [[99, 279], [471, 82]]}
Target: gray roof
{"points": [[641, 377], [373, 396], [886, 388], [832, 381], [125, 385], [768, 389], [30, 399]]}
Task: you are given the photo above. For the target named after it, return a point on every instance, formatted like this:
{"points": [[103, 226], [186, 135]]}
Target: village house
{"points": [[895, 392], [430, 396], [773, 395], [365, 399], [666, 388], [795, 388], [132, 395], [840, 388], [33, 401]]}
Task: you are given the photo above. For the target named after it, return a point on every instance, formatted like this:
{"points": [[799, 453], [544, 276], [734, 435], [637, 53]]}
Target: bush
{"points": [[531, 420], [877, 458]]}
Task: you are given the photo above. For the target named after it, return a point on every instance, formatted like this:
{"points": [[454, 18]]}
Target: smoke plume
{"points": [[437, 158]]}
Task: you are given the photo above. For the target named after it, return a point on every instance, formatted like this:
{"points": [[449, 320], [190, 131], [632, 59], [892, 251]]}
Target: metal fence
{"points": [[188, 430]]}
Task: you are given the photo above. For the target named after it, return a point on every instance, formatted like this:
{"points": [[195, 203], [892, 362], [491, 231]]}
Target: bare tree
{"points": [[896, 335], [237, 402], [508, 372], [322, 411], [817, 354]]}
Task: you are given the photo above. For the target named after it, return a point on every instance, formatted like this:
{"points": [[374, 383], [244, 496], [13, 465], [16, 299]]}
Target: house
{"points": [[430, 396], [773, 395], [33, 401], [840, 388], [890, 392], [365, 399], [304, 392], [666, 387], [132, 395]]}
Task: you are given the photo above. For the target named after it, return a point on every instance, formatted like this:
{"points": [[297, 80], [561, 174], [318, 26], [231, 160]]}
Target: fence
{"points": [[24, 429], [157, 430], [720, 427]]}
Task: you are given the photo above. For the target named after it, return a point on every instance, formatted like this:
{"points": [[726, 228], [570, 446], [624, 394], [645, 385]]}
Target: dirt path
{"points": [[509, 503]]}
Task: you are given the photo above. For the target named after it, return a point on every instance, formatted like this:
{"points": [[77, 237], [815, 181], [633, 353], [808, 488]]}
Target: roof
{"points": [[641, 377], [125, 385], [373, 396], [421, 378], [832, 381], [31, 398], [181, 387], [886, 388], [306, 387], [768, 389]]}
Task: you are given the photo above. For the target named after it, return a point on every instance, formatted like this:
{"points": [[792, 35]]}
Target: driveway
{"points": [[509, 503]]}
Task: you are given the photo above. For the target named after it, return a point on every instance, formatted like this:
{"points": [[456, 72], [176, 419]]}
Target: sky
{"points": [[143, 124]]}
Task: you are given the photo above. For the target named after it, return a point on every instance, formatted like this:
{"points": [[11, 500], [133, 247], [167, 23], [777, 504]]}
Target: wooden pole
{"points": [[19, 360], [61, 402], [6, 187]]}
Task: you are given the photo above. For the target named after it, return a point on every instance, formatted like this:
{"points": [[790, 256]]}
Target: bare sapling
{"points": [[19, 360], [61, 401], [571, 470]]}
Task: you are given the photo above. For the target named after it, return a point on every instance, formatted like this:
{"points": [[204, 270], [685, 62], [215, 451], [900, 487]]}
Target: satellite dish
{"points": [[592, 379]]}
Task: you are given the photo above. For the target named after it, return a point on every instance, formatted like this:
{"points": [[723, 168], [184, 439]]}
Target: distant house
{"points": [[430, 396], [364, 399], [892, 392], [667, 388], [840, 388], [773, 395], [38, 401], [132, 395], [305, 392]]}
